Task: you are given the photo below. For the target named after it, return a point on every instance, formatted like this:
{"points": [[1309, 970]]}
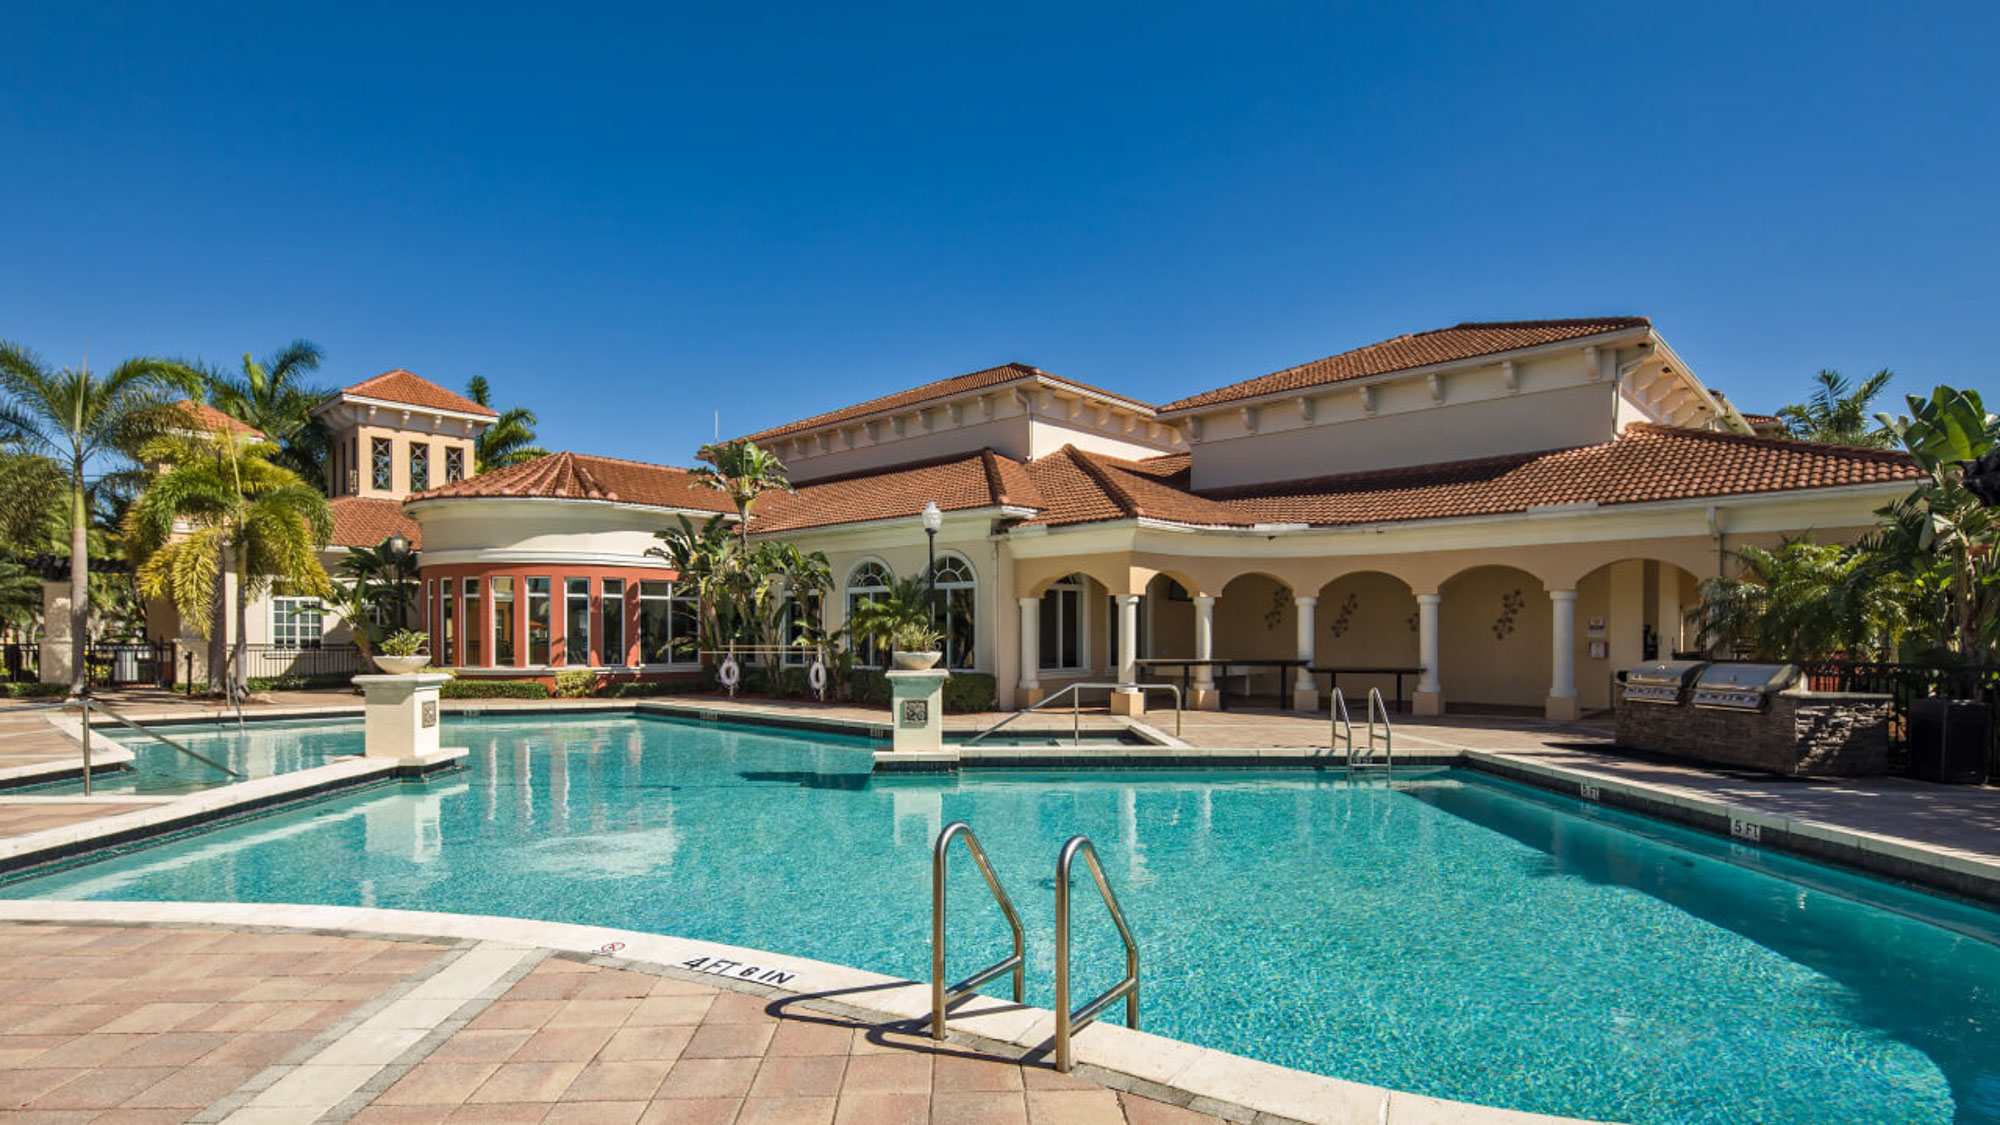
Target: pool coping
{"points": [[1202, 1079]]}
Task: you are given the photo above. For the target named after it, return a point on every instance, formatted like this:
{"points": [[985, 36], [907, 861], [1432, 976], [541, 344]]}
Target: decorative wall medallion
{"points": [[916, 712], [1281, 600], [430, 713], [1344, 620], [1511, 606]]}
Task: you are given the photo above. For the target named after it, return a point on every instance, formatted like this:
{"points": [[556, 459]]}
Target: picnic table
{"points": [[1225, 668], [1333, 674]]}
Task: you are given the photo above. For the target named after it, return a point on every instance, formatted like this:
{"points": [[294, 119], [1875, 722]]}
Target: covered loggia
{"points": [[1367, 619], [1628, 611], [1494, 648]]}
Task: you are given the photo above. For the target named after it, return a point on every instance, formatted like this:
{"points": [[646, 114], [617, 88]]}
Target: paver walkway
{"points": [[145, 1024]]}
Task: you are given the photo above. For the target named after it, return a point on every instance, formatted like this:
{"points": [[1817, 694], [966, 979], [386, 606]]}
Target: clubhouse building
{"points": [[1509, 511]]}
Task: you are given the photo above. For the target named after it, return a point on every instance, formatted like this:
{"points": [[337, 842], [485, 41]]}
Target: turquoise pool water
{"points": [[261, 750], [1456, 935]]}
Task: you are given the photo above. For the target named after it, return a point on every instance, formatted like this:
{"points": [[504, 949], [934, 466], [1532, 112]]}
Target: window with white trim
{"points": [[867, 582], [957, 589], [296, 622], [1062, 625]]}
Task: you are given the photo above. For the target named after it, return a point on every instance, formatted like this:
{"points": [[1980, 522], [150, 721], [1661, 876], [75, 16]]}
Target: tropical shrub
{"points": [[463, 688], [32, 691], [575, 683], [970, 692]]}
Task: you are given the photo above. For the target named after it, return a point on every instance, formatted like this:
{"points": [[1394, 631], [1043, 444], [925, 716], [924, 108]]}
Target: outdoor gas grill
{"points": [[1742, 687], [1662, 681]]}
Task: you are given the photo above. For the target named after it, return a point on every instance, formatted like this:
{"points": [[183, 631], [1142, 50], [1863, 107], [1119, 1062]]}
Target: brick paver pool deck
{"points": [[131, 1024]]}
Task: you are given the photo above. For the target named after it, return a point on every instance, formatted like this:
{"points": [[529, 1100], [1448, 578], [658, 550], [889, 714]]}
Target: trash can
{"points": [[1951, 740]]}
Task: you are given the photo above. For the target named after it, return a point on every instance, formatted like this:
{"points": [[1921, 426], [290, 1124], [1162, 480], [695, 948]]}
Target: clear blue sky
{"points": [[630, 221]]}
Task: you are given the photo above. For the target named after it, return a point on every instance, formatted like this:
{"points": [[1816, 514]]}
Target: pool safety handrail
{"points": [[1378, 711], [1076, 706], [941, 996], [1070, 1021], [84, 704], [1340, 736]]}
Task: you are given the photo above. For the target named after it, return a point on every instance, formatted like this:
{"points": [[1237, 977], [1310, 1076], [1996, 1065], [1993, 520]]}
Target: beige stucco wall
{"points": [[1367, 619], [401, 438], [1493, 638]]}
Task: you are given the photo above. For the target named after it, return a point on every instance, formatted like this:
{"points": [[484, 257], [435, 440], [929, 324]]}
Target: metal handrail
{"points": [[942, 996], [1069, 1022], [1076, 707], [1378, 709], [90, 703], [1340, 736]]}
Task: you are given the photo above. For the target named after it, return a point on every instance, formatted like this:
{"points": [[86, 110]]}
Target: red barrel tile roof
{"points": [[1421, 349], [209, 418], [980, 480], [577, 476], [931, 392], [365, 521], [400, 386]]}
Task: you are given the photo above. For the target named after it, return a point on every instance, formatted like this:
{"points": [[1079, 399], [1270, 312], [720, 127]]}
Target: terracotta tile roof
{"points": [[365, 521], [962, 483], [931, 392], [1085, 487], [209, 418], [1650, 463], [1443, 345], [575, 476], [403, 387]]}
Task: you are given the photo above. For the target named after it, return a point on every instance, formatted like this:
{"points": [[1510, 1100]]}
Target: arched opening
{"points": [[870, 579], [1493, 641], [1166, 618], [957, 597], [1626, 612], [1256, 619], [1367, 619]]}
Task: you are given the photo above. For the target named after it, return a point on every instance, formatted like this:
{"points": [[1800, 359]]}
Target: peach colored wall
{"points": [[1377, 627], [1493, 638], [521, 572]]}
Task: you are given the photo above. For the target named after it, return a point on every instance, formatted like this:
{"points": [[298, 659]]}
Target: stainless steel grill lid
{"points": [[1760, 678], [1675, 672]]}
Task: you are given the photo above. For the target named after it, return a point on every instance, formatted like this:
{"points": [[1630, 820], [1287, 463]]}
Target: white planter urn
{"points": [[400, 665], [916, 661]]}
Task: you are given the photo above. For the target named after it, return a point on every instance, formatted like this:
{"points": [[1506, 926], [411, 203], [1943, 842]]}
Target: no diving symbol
{"points": [[610, 947]]}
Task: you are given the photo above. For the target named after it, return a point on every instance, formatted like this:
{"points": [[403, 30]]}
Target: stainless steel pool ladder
{"points": [[1076, 706], [1378, 721], [1016, 962], [1069, 1022], [84, 705]]}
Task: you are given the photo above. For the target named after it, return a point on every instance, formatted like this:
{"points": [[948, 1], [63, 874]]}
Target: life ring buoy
{"points": [[729, 674], [816, 677]]}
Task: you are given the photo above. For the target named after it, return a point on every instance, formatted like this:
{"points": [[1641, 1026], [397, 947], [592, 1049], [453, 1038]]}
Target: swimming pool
{"points": [[157, 770], [1456, 935]]}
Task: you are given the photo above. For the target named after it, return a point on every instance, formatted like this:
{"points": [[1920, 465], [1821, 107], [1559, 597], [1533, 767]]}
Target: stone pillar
{"points": [[400, 714], [1305, 688], [1123, 701], [1562, 680], [1429, 698], [57, 660], [1029, 686], [916, 701], [1206, 698]]}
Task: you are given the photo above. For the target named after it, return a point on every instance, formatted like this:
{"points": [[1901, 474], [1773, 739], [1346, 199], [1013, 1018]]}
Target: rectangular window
{"points": [[454, 464], [385, 465], [1062, 627], [447, 638], [538, 621], [611, 608], [475, 624], [420, 466], [503, 622], [576, 622], [656, 616], [295, 622], [686, 623]]}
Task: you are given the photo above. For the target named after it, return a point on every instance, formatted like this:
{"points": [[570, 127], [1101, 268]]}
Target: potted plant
{"points": [[403, 652], [916, 645]]}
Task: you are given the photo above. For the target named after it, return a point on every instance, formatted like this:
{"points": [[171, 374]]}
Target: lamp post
{"points": [[933, 519]]}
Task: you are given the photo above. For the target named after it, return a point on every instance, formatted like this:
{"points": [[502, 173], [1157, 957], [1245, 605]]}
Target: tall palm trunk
{"points": [[218, 630], [79, 580], [242, 647]]}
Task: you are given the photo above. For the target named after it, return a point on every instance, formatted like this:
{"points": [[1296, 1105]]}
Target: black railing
{"points": [[129, 663], [20, 663], [328, 663], [1903, 683]]}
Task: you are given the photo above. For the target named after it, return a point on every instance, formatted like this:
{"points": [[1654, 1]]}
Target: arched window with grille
{"points": [[957, 590], [865, 583]]}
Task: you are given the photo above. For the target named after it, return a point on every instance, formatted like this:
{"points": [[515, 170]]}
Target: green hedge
{"points": [[302, 683], [636, 689], [968, 692], [575, 683], [32, 691], [458, 688]]}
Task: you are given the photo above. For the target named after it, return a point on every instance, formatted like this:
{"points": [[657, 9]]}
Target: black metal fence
{"points": [[324, 664], [129, 663], [20, 663], [1903, 683]]}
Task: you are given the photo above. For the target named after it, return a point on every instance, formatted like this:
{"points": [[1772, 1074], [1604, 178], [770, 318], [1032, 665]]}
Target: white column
{"points": [[1125, 702], [1030, 683], [1305, 689], [1205, 697], [1562, 680], [1429, 699]]}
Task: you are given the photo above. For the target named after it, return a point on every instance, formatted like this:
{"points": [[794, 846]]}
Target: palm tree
{"points": [[1941, 533], [224, 500], [274, 397], [744, 470], [381, 592], [1837, 412], [706, 561], [510, 440], [1806, 601], [79, 417]]}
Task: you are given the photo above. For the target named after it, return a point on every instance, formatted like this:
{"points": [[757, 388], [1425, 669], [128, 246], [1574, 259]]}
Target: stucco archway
{"points": [[1494, 639]]}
